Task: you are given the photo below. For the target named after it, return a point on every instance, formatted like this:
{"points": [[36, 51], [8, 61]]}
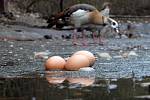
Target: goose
{"points": [[55, 19], [61, 18], [83, 14]]}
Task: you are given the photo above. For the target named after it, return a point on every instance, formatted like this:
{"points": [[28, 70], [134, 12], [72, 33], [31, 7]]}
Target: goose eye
{"points": [[114, 23]]}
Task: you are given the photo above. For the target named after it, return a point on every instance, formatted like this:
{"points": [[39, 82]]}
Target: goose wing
{"points": [[76, 7]]}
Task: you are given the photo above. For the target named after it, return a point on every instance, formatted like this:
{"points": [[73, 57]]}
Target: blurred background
{"points": [[48, 7]]}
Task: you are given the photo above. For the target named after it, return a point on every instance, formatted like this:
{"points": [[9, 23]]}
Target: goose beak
{"points": [[116, 30]]}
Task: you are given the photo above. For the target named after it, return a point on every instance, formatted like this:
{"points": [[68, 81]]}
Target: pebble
{"points": [[132, 53], [104, 55], [42, 55], [124, 36], [129, 54], [145, 84], [112, 86], [118, 56], [145, 97], [11, 45], [87, 69]]}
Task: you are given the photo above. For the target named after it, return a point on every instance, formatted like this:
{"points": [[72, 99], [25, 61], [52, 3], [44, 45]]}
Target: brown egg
{"points": [[55, 62], [88, 54], [76, 62]]}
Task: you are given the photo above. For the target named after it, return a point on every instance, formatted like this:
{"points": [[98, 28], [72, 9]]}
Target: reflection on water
{"points": [[60, 77], [55, 77], [62, 86]]}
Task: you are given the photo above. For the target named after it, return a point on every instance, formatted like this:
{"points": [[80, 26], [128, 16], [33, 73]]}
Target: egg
{"points": [[55, 62], [76, 62], [88, 54]]}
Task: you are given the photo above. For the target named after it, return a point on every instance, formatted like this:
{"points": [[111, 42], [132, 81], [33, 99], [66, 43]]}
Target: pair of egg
{"points": [[78, 60]]}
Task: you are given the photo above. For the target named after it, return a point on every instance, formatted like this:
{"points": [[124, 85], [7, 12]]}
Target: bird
{"points": [[61, 19], [79, 15], [55, 19]]}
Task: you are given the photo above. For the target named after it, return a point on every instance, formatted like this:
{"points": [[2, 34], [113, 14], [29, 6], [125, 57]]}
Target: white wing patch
{"points": [[80, 17], [79, 13]]}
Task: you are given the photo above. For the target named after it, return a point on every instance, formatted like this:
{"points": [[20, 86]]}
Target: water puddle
{"points": [[121, 71], [59, 85]]}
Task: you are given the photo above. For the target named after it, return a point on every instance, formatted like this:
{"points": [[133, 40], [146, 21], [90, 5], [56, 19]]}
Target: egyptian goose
{"points": [[60, 22], [84, 14], [61, 19]]}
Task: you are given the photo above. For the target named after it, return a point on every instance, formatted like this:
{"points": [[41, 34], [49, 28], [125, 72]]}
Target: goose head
{"points": [[106, 5], [114, 24]]}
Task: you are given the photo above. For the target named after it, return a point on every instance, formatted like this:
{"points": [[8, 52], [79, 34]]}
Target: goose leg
{"points": [[84, 38], [75, 37], [97, 39], [94, 37], [101, 40]]}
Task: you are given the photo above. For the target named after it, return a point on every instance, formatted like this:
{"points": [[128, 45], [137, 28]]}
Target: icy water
{"points": [[124, 75], [46, 88]]}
